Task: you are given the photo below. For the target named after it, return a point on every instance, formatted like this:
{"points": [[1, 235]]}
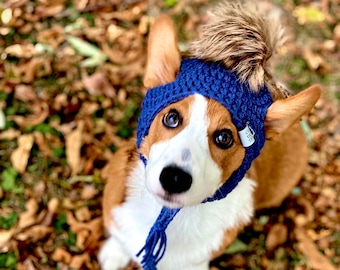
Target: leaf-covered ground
{"points": [[70, 90]]}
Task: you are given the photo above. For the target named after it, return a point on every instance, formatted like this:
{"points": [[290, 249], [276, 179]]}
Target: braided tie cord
{"points": [[155, 244]]}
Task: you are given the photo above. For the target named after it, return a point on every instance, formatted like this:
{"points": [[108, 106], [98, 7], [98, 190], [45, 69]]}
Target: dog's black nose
{"points": [[174, 180]]}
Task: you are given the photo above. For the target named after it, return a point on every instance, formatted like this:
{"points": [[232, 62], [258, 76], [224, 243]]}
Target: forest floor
{"points": [[70, 93]]}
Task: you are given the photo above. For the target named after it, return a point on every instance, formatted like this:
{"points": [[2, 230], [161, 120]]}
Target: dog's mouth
{"points": [[169, 200]]}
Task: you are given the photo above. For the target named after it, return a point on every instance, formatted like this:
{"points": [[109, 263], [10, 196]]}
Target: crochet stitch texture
{"points": [[211, 80]]}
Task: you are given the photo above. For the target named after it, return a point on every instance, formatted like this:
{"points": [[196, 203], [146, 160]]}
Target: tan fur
{"points": [[119, 166], [279, 167], [220, 118], [157, 130], [241, 39], [167, 69]]}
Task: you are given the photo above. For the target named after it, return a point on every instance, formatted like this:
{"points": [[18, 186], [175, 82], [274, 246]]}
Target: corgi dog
{"points": [[216, 140]]}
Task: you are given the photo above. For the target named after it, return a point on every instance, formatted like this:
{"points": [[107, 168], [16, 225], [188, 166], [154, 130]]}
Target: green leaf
{"points": [[61, 224], [8, 260], [308, 14], [9, 177], [170, 3], [46, 129], [96, 56], [94, 61], [236, 247], [8, 220]]}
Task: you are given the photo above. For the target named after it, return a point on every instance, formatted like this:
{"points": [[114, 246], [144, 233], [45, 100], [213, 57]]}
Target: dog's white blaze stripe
{"points": [[192, 139]]}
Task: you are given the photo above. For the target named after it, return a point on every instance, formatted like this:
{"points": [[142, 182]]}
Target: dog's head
{"points": [[194, 144]]}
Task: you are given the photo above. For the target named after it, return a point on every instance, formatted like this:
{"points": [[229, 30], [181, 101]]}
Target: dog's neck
{"points": [[247, 108]]}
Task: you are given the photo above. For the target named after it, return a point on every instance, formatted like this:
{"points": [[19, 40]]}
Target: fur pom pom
{"points": [[242, 38]]}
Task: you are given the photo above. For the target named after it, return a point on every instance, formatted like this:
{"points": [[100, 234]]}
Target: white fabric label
{"points": [[247, 136]]}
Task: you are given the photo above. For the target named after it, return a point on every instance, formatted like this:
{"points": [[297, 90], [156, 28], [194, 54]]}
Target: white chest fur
{"points": [[194, 233]]}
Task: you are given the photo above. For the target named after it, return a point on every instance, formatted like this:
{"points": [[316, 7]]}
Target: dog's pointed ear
{"points": [[164, 59], [283, 113]]}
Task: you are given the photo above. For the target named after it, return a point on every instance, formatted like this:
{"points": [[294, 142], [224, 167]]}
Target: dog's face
{"points": [[192, 149], [193, 146]]}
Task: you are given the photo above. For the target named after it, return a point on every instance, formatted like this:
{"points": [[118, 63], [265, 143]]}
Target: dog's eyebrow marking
{"points": [[186, 154]]}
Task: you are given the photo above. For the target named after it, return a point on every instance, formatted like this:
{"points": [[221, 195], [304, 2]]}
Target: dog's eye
{"points": [[223, 138], [172, 119]]}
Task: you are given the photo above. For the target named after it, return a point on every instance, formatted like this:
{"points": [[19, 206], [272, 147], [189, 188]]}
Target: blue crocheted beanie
{"points": [[247, 108]]}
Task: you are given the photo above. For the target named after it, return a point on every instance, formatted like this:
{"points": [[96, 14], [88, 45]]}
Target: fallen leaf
{"points": [[78, 261], [28, 217], [52, 206], [88, 192], [95, 56], [316, 62], [9, 134], [40, 140], [82, 237], [19, 157], [308, 14], [61, 255], [39, 116], [73, 146], [83, 214], [21, 51], [35, 233], [5, 236], [277, 235], [25, 93], [315, 258], [98, 84]]}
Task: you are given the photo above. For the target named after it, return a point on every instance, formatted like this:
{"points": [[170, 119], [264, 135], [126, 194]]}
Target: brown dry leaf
{"points": [[129, 15], [36, 68], [39, 139], [50, 8], [78, 261], [41, 112], [61, 255], [9, 134], [316, 259], [126, 49], [82, 237], [89, 232], [25, 93], [20, 156], [113, 32], [316, 62], [5, 236], [29, 217], [35, 233], [73, 146], [88, 192], [277, 235], [97, 230], [83, 214], [75, 225], [308, 215], [98, 84], [21, 51], [52, 206]]}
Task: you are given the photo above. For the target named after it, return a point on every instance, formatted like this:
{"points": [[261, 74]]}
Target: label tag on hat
{"points": [[247, 136]]}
